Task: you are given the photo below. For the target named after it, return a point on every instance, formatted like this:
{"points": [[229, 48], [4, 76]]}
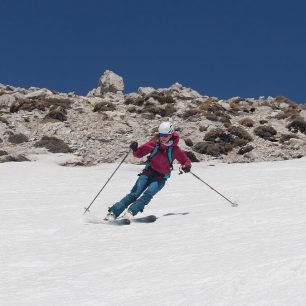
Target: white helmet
{"points": [[166, 128]]}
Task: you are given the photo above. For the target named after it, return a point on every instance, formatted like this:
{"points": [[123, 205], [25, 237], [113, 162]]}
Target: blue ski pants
{"points": [[144, 186]]}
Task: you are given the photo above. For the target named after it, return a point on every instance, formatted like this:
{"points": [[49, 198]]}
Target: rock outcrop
{"points": [[109, 82], [98, 127]]}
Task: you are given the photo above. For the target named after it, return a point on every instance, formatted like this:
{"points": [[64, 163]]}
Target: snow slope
{"points": [[205, 253]]}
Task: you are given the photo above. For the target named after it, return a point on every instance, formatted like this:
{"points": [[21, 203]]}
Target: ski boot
{"points": [[128, 215], [110, 216]]}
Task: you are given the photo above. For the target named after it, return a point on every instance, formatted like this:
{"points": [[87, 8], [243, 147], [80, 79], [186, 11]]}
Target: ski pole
{"points": [[232, 203], [87, 208]]}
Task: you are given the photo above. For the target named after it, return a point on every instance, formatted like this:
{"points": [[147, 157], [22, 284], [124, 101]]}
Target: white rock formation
{"points": [[111, 82]]}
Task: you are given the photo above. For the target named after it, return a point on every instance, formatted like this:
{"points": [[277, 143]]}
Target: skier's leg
{"points": [[154, 187], [140, 185]]}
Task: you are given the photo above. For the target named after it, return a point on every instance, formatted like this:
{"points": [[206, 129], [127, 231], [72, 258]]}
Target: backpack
{"points": [[169, 155]]}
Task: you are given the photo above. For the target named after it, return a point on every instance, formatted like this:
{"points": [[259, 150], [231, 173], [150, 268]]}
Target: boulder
{"points": [[110, 82], [6, 100], [41, 93], [145, 91], [180, 92], [95, 92]]}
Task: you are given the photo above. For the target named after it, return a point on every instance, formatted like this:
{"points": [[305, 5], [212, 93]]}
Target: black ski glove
{"points": [[186, 168], [134, 145]]}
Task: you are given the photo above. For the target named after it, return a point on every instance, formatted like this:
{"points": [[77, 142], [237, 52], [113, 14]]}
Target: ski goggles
{"points": [[161, 135]]}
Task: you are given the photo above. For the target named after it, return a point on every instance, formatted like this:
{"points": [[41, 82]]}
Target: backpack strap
{"points": [[170, 158], [152, 154]]}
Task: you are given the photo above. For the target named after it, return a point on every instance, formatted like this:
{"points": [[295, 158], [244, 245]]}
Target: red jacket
{"points": [[160, 162]]}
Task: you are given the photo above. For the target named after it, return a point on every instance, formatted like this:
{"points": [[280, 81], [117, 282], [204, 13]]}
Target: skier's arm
{"points": [[144, 149], [181, 157]]}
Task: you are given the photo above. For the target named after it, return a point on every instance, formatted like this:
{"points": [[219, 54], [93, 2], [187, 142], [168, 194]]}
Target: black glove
{"points": [[134, 145], [186, 168]]}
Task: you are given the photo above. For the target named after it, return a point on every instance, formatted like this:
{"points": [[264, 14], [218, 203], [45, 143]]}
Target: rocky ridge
{"points": [[98, 128]]}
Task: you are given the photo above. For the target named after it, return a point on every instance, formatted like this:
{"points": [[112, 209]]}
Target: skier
{"points": [[163, 150]]}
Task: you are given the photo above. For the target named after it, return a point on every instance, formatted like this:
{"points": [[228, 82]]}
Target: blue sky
{"points": [[221, 48]]}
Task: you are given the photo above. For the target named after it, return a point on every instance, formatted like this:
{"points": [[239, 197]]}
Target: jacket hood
{"points": [[176, 138]]}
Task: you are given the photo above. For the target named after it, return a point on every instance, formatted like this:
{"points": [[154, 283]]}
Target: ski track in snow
{"points": [[204, 253]]}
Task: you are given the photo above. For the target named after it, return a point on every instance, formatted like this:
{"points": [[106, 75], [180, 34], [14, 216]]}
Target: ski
{"points": [[146, 219], [118, 222], [122, 221]]}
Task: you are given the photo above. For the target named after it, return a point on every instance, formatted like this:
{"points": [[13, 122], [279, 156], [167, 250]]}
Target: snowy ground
{"points": [[207, 253]]}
